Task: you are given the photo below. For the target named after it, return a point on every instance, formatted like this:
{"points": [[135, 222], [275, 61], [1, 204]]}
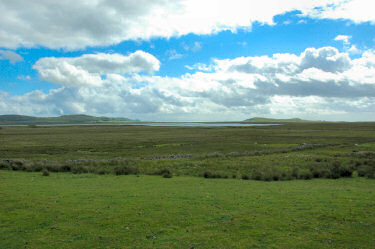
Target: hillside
{"points": [[65, 119], [271, 120]]}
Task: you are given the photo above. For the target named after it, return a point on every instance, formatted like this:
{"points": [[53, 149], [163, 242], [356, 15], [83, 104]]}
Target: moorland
{"points": [[295, 185]]}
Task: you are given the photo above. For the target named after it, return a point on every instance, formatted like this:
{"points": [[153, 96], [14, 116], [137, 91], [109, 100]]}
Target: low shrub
{"points": [[295, 173], [366, 171], [345, 171], [214, 154], [45, 172], [125, 170], [4, 165], [245, 177], [36, 167], [208, 174], [257, 175], [320, 171], [65, 168], [305, 174], [102, 171], [53, 167], [79, 169], [167, 174]]}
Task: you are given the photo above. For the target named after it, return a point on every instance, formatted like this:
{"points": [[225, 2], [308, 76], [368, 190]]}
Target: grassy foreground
{"points": [[93, 211]]}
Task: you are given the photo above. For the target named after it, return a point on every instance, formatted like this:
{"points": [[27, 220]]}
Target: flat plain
{"points": [[297, 185]]}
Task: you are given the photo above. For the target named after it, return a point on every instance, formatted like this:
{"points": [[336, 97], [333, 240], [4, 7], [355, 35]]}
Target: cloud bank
{"points": [[72, 24], [318, 83]]}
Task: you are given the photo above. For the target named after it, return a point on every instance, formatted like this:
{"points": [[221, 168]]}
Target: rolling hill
{"points": [[65, 119], [272, 120]]}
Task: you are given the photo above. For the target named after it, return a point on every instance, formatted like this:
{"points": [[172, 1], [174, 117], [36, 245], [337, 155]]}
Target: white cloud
{"points": [[354, 50], [64, 24], [87, 69], [11, 56], [200, 67], [173, 54], [344, 38], [319, 83], [23, 77], [194, 47], [357, 11]]}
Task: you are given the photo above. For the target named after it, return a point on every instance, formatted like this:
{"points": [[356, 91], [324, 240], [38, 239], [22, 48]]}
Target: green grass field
{"points": [[99, 209], [91, 211]]}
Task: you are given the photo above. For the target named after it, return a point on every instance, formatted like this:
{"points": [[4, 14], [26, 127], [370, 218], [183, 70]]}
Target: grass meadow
{"points": [[93, 211], [297, 185]]}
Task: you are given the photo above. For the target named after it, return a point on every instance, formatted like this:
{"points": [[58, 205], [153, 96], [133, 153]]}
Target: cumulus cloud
{"points": [[11, 56], [74, 24], [87, 69], [317, 82]]}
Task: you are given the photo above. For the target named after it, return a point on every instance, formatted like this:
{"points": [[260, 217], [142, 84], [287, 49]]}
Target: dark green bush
{"points": [[245, 177], [257, 175], [4, 165], [306, 175], [345, 171], [45, 172], [125, 170], [167, 174], [36, 167], [366, 171], [102, 171], [320, 171], [295, 173], [208, 174], [65, 168], [335, 170], [79, 169]]}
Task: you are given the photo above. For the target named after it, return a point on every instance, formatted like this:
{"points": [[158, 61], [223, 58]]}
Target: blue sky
{"points": [[179, 61]]}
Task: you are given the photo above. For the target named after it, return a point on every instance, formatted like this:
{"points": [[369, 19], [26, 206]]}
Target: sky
{"points": [[189, 60]]}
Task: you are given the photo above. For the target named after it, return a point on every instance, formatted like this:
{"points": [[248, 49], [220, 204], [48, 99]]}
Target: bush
{"points": [[125, 170], [101, 171], [214, 154], [345, 171], [65, 168], [366, 171], [208, 174], [79, 169], [335, 170], [53, 167], [167, 174], [295, 173], [276, 177], [45, 172], [162, 172], [257, 175], [320, 171], [245, 177], [306, 175], [4, 165], [36, 167]]}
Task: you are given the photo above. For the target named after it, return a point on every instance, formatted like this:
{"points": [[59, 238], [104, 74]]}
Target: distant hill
{"points": [[272, 120], [65, 119]]}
